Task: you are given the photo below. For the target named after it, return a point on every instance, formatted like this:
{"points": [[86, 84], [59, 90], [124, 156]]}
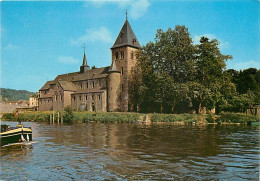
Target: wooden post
{"points": [[61, 115], [58, 121]]}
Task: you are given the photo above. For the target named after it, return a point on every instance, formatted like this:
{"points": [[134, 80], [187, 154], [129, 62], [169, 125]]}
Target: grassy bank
{"points": [[134, 117]]}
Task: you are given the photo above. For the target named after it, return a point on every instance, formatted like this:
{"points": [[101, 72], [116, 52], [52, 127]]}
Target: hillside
{"points": [[14, 95]]}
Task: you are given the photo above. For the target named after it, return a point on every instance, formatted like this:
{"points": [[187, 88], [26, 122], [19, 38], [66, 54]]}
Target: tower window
{"points": [[116, 55], [99, 97], [134, 41], [122, 70], [81, 85], [74, 98], [87, 85], [86, 97], [93, 84], [122, 55], [132, 55]]}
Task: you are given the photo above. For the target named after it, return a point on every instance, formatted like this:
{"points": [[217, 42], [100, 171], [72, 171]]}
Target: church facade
{"points": [[98, 89]]}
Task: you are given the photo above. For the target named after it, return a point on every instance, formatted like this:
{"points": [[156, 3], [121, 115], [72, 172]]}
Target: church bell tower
{"points": [[124, 57]]}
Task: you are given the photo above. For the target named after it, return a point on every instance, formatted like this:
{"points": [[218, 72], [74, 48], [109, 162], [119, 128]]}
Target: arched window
{"points": [[132, 55], [116, 55], [122, 55]]}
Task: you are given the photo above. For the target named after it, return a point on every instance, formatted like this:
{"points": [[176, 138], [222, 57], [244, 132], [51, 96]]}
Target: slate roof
{"points": [[67, 86], [46, 86], [66, 80], [113, 67], [126, 37]]}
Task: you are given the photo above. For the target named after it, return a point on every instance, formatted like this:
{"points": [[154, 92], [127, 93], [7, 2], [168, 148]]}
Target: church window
{"points": [[87, 85], [122, 55], [74, 98], [56, 97], [81, 85], [132, 55], [93, 84], [122, 70], [99, 97], [116, 55], [80, 98], [99, 82], [86, 97]]}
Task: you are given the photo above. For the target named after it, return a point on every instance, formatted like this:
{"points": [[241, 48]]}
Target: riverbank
{"points": [[126, 117]]}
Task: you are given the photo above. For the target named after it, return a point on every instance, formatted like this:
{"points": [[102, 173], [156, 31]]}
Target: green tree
{"points": [[212, 85], [68, 114]]}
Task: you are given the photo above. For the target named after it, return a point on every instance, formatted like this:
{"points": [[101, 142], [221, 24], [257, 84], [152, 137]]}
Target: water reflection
{"points": [[136, 152]]}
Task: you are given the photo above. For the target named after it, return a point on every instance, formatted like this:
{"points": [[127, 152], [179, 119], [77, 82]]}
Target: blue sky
{"points": [[41, 39]]}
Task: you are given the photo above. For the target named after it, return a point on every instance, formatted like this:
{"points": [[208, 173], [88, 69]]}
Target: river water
{"points": [[121, 151]]}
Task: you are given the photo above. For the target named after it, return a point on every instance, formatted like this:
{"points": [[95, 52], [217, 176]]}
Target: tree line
{"points": [[173, 75], [14, 95]]}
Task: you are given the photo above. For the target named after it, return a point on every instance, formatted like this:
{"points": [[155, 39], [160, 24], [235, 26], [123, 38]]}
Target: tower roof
{"points": [[84, 60], [84, 67], [126, 37], [113, 67]]}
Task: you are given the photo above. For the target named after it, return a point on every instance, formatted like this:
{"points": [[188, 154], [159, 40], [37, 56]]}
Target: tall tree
{"points": [[212, 84]]}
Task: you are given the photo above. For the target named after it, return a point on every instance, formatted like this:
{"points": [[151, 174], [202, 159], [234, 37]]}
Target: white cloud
{"points": [[136, 8], [11, 47], [68, 60], [223, 44], [139, 8], [243, 65], [93, 35]]}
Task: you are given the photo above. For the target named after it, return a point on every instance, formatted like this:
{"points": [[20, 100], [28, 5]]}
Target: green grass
{"points": [[126, 117], [229, 117]]}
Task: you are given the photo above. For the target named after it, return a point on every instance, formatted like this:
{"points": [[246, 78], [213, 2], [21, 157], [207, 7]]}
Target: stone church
{"points": [[97, 89]]}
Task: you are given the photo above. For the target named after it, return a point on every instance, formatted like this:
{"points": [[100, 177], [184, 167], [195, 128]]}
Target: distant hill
{"points": [[14, 95]]}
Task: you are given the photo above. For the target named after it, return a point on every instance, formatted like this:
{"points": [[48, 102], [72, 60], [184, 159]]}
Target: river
{"points": [[121, 151]]}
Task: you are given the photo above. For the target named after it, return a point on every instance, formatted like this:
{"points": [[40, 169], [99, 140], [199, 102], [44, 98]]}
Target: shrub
{"points": [[68, 114]]}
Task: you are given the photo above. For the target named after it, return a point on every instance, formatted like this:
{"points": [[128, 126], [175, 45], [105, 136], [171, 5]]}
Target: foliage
{"points": [[28, 116], [187, 118], [15, 95], [174, 76], [247, 84], [237, 118], [68, 114]]}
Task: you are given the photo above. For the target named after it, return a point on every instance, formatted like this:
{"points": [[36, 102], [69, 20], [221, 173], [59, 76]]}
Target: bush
{"points": [[174, 118], [229, 117], [68, 114]]}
